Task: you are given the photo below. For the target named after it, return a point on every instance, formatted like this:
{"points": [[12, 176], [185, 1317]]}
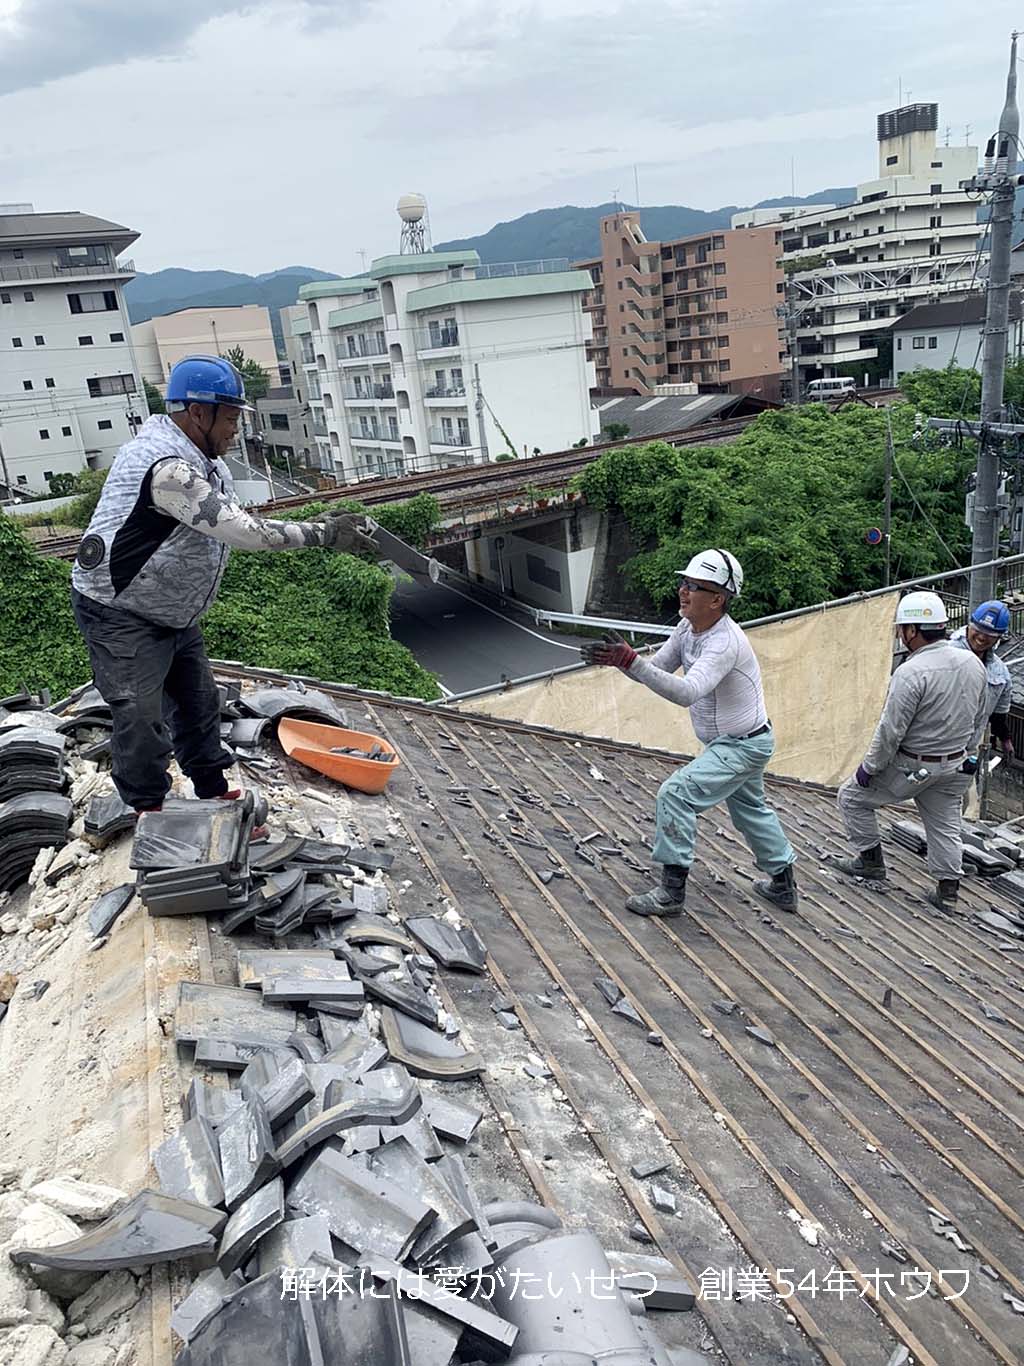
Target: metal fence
{"points": [[502, 269]]}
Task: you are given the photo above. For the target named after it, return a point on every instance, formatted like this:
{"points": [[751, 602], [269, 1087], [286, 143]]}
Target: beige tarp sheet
{"points": [[825, 677]]}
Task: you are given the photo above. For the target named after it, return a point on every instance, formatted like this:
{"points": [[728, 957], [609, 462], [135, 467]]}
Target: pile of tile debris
{"points": [[319, 1192], [34, 812], [994, 852]]}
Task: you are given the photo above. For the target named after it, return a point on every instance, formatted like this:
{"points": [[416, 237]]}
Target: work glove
{"points": [[348, 532], [970, 765], [863, 776], [611, 651], [1006, 745]]}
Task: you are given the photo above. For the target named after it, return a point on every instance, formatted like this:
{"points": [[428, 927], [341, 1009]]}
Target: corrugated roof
{"points": [[648, 416]]}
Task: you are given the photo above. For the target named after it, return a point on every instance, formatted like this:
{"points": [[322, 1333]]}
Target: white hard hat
{"points": [[717, 566], [921, 609]]}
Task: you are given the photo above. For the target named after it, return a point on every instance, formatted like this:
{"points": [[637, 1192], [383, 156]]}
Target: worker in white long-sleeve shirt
{"points": [[922, 748], [721, 684]]}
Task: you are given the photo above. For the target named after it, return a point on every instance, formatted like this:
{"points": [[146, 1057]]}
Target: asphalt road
{"points": [[469, 645]]}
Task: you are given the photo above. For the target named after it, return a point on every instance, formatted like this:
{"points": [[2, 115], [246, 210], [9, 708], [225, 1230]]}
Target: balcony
{"points": [[319, 428], [364, 431], [359, 348], [368, 393], [445, 391], [437, 338], [442, 436], [10, 271]]}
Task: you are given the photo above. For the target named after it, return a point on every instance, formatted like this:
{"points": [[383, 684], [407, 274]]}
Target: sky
{"points": [[248, 136]]}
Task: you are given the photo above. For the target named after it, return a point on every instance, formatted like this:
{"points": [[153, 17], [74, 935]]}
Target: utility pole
{"points": [[481, 424], [8, 492], [999, 180], [791, 318], [887, 520]]}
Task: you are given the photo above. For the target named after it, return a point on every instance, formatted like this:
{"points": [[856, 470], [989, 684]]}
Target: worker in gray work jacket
{"points": [[922, 749], [149, 566], [721, 684], [989, 624]]}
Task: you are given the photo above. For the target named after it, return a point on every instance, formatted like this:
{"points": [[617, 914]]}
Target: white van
{"points": [[830, 388]]}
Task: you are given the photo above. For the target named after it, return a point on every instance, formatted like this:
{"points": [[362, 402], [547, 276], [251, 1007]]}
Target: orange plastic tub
{"points": [[311, 742]]}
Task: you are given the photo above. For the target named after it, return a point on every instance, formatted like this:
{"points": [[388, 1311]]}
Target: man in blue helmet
{"points": [[989, 625], [149, 566]]}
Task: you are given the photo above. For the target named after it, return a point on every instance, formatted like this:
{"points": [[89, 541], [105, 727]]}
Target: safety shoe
{"points": [[945, 895], [666, 900], [781, 890], [868, 864]]}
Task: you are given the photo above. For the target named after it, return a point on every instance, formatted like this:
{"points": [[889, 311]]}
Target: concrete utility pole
{"points": [[999, 180]]}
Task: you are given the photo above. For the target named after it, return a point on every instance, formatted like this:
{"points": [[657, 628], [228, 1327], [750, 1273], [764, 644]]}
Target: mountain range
{"points": [[570, 231]]}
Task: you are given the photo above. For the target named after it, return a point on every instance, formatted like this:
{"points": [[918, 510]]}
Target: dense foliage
{"points": [[792, 498], [304, 611]]}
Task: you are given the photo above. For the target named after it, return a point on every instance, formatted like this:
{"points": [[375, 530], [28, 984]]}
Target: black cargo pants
{"points": [[161, 692]]}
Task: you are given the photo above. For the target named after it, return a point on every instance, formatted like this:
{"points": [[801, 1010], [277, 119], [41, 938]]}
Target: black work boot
{"points": [[781, 891], [666, 900], [945, 895], [869, 864]]}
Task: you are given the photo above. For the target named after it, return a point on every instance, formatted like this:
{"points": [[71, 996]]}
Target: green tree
{"points": [[615, 431], [40, 644], [62, 484], [952, 392], [257, 381], [154, 399], [792, 497]]}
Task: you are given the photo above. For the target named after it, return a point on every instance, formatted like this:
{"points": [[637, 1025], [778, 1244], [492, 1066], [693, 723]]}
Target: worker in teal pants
{"points": [[721, 684]]}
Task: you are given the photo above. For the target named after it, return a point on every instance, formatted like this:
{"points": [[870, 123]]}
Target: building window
{"points": [[721, 317], [40, 341], [723, 365], [26, 384], [935, 221], [934, 248], [723, 341], [29, 296], [85, 341], [279, 422], [899, 343], [117, 336], [47, 475], [19, 255], [44, 434], [919, 343], [93, 301], [936, 188], [936, 165], [933, 343], [718, 244], [891, 161], [719, 267], [5, 298], [65, 431], [22, 478], [721, 292], [104, 385], [16, 343], [105, 426], [50, 382]]}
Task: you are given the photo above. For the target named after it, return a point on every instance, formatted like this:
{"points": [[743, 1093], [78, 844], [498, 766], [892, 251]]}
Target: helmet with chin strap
{"points": [[718, 567]]}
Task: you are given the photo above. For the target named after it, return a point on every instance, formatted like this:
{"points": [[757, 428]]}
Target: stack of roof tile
{"points": [[192, 856], [34, 814]]}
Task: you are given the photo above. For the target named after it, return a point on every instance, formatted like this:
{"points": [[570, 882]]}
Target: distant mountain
{"points": [[573, 232], [168, 291]]}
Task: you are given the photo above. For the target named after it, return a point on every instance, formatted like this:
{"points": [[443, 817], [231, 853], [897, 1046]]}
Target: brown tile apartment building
{"points": [[697, 310]]}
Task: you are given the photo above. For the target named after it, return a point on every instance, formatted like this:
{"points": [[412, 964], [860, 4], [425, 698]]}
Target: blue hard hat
{"points": [[992, 617], [206, 379]]}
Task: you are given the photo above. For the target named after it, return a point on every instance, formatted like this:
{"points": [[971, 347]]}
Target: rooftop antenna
{"points": [[361, 253], [412, 210], [636, 184], [967, 133], [948, 131]]}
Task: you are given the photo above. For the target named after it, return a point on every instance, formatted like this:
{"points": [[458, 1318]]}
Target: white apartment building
{"points": [[432, 359], [162, 341], [70, 390], [911, 236]]}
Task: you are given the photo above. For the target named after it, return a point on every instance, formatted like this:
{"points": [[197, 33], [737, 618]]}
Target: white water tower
{"points": [[412, 210]]}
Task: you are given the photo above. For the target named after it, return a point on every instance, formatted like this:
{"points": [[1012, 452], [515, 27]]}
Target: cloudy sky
{"points": [[250, 135]]}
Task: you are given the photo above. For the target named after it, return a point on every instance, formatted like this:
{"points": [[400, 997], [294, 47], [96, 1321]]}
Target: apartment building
{"points": [[70, 389], [910, 237], [699, 310], [432, 359], [163, 341]]}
